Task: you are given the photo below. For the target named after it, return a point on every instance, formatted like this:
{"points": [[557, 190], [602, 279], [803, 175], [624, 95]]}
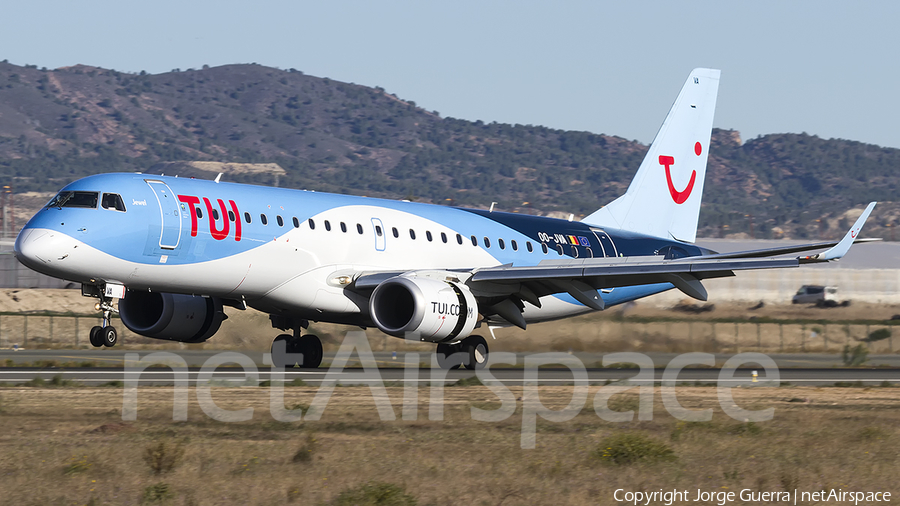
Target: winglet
{"points": [[840, 249]]}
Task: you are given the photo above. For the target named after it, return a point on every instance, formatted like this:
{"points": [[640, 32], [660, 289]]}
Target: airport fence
{"points": [[599, 335], [57, 331]]}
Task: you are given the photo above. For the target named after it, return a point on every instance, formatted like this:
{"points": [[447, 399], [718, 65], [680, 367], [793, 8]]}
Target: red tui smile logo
{"points": [[680, 197]]}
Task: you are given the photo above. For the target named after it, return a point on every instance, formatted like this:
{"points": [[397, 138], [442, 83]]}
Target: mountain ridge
{"points": [[58, 125]]}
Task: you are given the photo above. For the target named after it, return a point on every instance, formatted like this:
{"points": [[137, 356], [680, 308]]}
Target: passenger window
{"points": [[359, 228], [263, 219], [199, 213], [230, 215], [113, 201], [590, 252], [544, 247], [487, 242], [528, 246], [474, 241], [296, 222], [216, 214], [343, 227], [247, 218], [444, 237], [312, 224], [378, 230], [428, 235], [501, 243], [395, 232], [412, 234], [327, 225], [574, 251], [459, 239], [515, 246], [280, 220], [559, 249]]}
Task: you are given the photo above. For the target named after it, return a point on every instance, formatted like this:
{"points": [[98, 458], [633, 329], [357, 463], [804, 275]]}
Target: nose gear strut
{"points": [[104, 334]]}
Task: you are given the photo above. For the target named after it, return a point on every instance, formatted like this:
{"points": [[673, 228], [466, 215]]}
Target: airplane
{"points": [[174, 252]]}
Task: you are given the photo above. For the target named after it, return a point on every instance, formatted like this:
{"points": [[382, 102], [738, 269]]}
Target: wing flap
{"points": [[614, 267]]}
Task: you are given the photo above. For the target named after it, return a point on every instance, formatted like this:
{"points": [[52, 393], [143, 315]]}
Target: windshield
{"points": [[74, 199]]}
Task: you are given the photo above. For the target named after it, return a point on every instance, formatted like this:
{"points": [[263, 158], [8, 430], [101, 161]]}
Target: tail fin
{"points": [[663, 199]]}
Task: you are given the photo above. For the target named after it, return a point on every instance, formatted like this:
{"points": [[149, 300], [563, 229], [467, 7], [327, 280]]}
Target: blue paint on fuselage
{"points": [[134, 235]]}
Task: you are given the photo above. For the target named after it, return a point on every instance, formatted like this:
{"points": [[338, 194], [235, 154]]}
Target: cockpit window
{"points": [[75, 199], [113, 201]]}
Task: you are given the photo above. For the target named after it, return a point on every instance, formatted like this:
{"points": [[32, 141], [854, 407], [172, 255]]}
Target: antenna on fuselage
{"points": [[219, 177], [492, 207]]}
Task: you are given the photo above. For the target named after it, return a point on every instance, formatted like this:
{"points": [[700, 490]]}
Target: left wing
{"points": [[582, 277], [504, 288]]}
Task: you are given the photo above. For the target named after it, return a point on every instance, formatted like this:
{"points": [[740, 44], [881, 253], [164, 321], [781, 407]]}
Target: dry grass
{"points": [[70, 446]]}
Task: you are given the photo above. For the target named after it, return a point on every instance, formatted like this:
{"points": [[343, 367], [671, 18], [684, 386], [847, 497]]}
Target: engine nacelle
{"points": [[428, 309], [170, 316]]}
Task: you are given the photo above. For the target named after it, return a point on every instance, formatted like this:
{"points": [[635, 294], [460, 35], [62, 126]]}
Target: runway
{"points": [[105, 367]]}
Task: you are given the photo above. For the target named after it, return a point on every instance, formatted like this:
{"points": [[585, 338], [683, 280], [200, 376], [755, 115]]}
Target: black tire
{"points": [[449, 356], [476, 352], [109, 336], [96, 339], [281, 354], [310, 347]]}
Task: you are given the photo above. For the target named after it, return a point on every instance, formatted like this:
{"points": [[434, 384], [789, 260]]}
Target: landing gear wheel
{"points": [[449, 356], [476, 352], [109, 336], [310, 347], [96, 339], [281, 352]]}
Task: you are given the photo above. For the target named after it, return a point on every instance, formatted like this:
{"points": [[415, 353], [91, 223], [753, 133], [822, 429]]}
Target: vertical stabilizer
{"points": [[663, 199]]}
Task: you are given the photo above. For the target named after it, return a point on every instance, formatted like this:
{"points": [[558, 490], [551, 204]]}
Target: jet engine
{"points": [[423, 309], [170, 316]]}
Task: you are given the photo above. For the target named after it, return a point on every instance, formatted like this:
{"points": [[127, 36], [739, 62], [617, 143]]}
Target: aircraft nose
{"points": [[32, 248]]}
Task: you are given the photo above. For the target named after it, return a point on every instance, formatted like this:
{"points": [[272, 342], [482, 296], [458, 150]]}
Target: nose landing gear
{"points": [[103, 334]]}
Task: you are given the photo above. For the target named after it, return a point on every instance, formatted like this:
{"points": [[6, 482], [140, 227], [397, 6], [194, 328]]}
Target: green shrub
{"points": [[631, 448], [747, 428], [878, 335], [78, 465], [856, 355], [163, 456], [59, 381], [467, 382], [35, 382], [305, 453], [375, 493], [157, 493], [872, 434], [624, 402]]}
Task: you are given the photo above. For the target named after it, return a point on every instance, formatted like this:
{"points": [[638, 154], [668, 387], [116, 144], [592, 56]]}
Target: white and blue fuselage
{"points": [[280, 250]]}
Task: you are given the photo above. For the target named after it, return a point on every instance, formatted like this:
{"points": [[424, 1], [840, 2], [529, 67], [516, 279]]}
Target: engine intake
{"points": [[429, 309], [171, 316]]}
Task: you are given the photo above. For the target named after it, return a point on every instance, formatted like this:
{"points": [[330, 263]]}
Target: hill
{"points": [[317, 133]]}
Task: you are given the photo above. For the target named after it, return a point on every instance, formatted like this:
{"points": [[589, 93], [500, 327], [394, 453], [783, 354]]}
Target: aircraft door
{"points": [[170, 234], [609, 248], [379, 234]]}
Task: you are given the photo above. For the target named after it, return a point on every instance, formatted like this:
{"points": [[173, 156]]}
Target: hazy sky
{"points": [[826, 68]]}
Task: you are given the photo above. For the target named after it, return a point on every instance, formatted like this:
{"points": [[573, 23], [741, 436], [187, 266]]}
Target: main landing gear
{"points": [[104, 334], [471, 352], [290, 350]]}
